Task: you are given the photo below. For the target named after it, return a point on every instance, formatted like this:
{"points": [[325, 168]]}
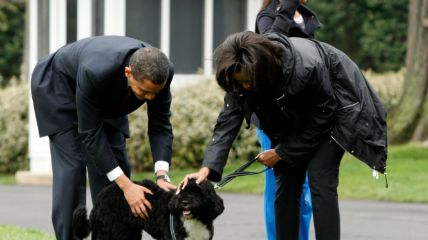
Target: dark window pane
{"points": [[230, 16], [143, 20], [98, 16], [43, 28], [71, 20], [186, 35]]}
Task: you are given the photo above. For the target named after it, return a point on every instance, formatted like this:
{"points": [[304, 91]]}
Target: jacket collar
{"points": [[288, 59]]}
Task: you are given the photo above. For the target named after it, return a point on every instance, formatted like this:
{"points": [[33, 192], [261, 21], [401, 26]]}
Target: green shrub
{"points": [[194, 112], [388, 85], [14, 128], [12, 25], [372, 32]]}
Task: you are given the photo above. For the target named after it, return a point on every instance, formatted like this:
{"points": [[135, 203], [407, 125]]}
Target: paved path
{"points": [[29, 206]]}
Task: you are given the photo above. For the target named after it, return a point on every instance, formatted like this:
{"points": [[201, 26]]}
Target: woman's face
{"points": [[244, 80]]}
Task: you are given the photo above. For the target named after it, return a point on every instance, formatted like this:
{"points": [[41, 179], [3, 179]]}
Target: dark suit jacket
{"points": [[84, 83]]}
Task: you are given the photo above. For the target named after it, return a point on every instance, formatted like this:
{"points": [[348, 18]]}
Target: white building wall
{"points": [[38, 147], [253, 7], [208, 37], [57, 24], [165, 26], [114, 17], [84, 18]]}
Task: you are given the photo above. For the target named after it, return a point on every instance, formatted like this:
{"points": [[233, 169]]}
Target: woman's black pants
{"points": [[323, 173]]}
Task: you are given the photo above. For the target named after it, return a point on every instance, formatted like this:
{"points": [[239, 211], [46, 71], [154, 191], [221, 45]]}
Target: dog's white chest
{"points": [[196, 230]]}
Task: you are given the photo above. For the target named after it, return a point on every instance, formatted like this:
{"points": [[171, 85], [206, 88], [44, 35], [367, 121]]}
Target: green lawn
{"points": [[8, 232], [407, 177]]}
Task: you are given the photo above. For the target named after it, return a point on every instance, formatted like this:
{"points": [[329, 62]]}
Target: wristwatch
{"points": [[165, 177]]}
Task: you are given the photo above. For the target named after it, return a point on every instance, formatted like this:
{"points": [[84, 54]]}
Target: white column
{"points": [[57, 24], [208, 37], [84, 19], [165, 26], [38, 148], [114, 17], [253, 7]]}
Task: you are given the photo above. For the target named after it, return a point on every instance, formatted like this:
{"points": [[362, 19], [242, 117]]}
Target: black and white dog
{"points": [[188, 215]]}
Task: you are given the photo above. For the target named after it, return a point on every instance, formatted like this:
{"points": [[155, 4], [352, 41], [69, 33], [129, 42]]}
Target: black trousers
{"points": [[323, 175], [69, 163]]}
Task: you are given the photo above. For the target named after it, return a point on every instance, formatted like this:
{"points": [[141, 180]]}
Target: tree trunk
{"points": [[409, 120]]}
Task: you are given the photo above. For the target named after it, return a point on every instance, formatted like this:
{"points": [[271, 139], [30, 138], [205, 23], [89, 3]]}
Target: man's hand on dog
{"points": [[199, 176], [134, 195]]}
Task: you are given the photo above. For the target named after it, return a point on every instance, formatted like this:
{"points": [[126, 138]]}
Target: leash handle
{"points": [[237, 173]]}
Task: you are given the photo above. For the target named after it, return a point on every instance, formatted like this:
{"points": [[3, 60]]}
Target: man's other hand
{"points": [[135, 196]]}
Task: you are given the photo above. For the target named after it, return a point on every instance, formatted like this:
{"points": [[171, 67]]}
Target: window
{"points": [[143, 20], [186, 35]]}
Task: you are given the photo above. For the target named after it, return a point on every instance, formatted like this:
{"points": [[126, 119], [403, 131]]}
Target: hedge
{"points": [[194, 111], [14, 128]]}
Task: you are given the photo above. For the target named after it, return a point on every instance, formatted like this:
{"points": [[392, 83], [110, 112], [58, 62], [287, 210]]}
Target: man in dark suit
{"points": [[82, 94]]}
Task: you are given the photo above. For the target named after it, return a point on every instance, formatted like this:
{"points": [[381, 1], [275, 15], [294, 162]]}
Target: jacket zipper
{"points": [[375, 173], [348, 106]]}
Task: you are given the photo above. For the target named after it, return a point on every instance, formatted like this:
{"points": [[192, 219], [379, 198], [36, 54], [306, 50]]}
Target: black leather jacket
{"points": [[322, 93]]}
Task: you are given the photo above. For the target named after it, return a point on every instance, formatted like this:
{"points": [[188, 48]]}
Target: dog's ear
{"points": [[216, 201]]}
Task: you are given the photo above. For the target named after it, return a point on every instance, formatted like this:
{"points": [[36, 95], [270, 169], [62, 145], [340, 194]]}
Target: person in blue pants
{"points": [[292, 18], [269, 198]]}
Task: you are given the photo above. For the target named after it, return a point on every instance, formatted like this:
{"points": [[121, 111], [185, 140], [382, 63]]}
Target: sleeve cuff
{"points": [[115, 173], [161, 165]]}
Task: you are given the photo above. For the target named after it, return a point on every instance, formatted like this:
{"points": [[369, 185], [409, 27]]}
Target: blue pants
{"points": [[269, 198]]}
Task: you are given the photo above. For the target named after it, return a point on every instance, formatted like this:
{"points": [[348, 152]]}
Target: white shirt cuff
{"points": [[115, 173], [161, 165]]}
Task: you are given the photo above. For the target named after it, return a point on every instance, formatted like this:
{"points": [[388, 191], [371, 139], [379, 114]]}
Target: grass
{"points": [[407, 177], [7, 179], [8, 232]]}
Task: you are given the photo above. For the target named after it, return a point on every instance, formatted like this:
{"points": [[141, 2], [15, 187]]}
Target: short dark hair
{"points": [[253, 54], [149, 63]]}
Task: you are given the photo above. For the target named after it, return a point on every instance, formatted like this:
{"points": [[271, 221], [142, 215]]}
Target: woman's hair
{"points": [[252, 54], [265, 4]]}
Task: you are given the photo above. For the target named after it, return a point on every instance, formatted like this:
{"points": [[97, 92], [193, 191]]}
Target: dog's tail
{"points": [[80, 224]]}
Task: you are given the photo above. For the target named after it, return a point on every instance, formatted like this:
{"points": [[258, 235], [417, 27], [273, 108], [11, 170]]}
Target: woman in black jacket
{"points": [[293, 19], [313, 103]]}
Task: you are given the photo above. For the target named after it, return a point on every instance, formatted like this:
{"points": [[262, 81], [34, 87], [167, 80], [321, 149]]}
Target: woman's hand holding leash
{"points": [[268, 158]]}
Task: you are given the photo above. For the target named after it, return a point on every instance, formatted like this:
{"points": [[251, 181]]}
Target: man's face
{"points": [[143, 89]]}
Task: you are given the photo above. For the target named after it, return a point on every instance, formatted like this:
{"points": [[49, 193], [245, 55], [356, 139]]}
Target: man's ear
{"points": [[128, 71]]}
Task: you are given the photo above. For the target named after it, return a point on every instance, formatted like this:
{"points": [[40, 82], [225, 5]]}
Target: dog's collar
{"points": [[171, 226]]}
